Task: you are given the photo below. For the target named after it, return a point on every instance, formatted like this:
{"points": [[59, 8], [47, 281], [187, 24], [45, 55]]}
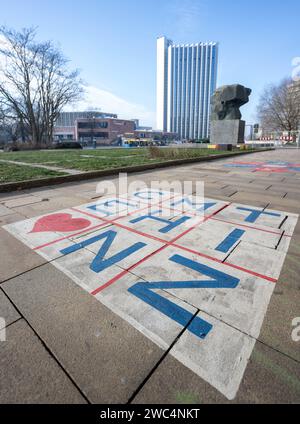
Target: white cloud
{"points": [[185, 16], [96, 98]]}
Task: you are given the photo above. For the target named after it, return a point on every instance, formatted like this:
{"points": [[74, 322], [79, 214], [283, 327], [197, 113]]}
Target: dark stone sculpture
{"points": [[227, 100]]}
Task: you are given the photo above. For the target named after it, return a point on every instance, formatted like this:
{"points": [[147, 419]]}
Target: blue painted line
{"points": [[230, 241], [148, 197], [99, 263], [97, 209], [170, 224], [237, 165], [119, 202], [274, 162], [255, 214], [75, 247], [198, 326], [203, 206]]}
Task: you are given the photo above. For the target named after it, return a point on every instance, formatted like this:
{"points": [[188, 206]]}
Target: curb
{"points": [[28, 184]]}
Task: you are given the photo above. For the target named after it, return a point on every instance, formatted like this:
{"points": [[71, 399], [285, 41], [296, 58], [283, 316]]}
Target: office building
{"points": [[186, 80]]}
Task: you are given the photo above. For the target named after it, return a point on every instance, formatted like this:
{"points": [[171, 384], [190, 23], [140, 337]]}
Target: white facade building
{"points": [[186, 80]]}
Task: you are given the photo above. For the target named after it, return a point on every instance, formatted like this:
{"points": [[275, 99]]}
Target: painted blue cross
{"points": [[255, 214], [170, 224], [203, 207]]}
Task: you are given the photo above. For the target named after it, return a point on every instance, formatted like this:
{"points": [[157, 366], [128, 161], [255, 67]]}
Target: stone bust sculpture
{"points": [[227, 100]]}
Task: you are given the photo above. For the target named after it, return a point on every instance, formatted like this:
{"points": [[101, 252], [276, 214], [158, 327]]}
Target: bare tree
{"points": [[10, 127], [35, 82], [279, 107]]}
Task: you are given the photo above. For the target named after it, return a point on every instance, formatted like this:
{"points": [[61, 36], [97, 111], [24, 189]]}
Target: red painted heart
{"points": [[59, 222]]}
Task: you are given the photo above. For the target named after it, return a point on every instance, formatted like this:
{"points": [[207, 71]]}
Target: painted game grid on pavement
{"points": [[205, 266]]}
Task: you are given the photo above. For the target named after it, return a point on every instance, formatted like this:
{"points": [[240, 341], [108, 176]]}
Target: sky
{"points": [[113, 43]]}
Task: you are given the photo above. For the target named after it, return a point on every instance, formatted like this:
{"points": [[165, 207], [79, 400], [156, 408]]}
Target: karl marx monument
{"points": [[226, 124]]}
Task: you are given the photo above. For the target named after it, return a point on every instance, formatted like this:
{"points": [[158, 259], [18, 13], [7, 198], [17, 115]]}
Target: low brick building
{"points": [[102, 131]]}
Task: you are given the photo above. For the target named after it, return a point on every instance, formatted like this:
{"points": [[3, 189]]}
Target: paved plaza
{"points": [[151, 296]]}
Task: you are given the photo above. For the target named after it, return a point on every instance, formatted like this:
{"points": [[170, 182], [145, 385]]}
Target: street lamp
{"points": [[92, 132]]}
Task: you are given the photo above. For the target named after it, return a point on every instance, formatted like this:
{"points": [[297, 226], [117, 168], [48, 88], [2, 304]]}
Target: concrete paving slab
{"points": [[112, 207], [5, 211], [212, 232], [241, 305], [122, 238], [7, 311], [28, 374], [254, 216], [82, 266], [285, 205], [22, 201], [260, 260], [150, 321], [165, 226], [263, 199], [48, 206], [284, 307], [47, 228], [105, 355], [15, 257], [11, 218], [195, 205], [13, 195], [270, 378]]}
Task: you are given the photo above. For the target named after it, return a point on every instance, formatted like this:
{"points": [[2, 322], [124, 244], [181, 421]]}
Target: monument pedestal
{"points": [[227, 131]]}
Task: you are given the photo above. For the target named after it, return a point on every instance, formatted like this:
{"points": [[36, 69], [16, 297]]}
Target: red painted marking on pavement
{"points": [[59, 222], [125, 271], [246, 270], [173, 243], [97, 226], [167, 243], [70, 235], [125, 227]]}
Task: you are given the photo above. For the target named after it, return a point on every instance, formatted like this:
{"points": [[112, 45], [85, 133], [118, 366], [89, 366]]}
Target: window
{"points": [[92, 124], [93, 134]]}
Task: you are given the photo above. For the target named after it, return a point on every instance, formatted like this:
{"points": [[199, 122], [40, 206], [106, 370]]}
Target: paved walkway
{"points": [[69, 340]]}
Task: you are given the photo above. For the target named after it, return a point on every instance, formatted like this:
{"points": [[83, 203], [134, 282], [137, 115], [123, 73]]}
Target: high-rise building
{"points": [[186, 80]]}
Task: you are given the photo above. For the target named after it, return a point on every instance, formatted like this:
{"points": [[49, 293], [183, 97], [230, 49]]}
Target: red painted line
{"points": [[86, 230], [125, 271], [167, 244], [201, 222], [173, 243], [248, 226], [70, 235], [141, 233], [246, 270], [125, 227]]}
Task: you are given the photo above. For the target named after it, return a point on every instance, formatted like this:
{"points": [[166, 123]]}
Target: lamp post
{"points": [[92, 132]]}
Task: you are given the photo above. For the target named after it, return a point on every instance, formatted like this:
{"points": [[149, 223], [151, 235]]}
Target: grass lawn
{"points": [[90, 160], [12, 173]]}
